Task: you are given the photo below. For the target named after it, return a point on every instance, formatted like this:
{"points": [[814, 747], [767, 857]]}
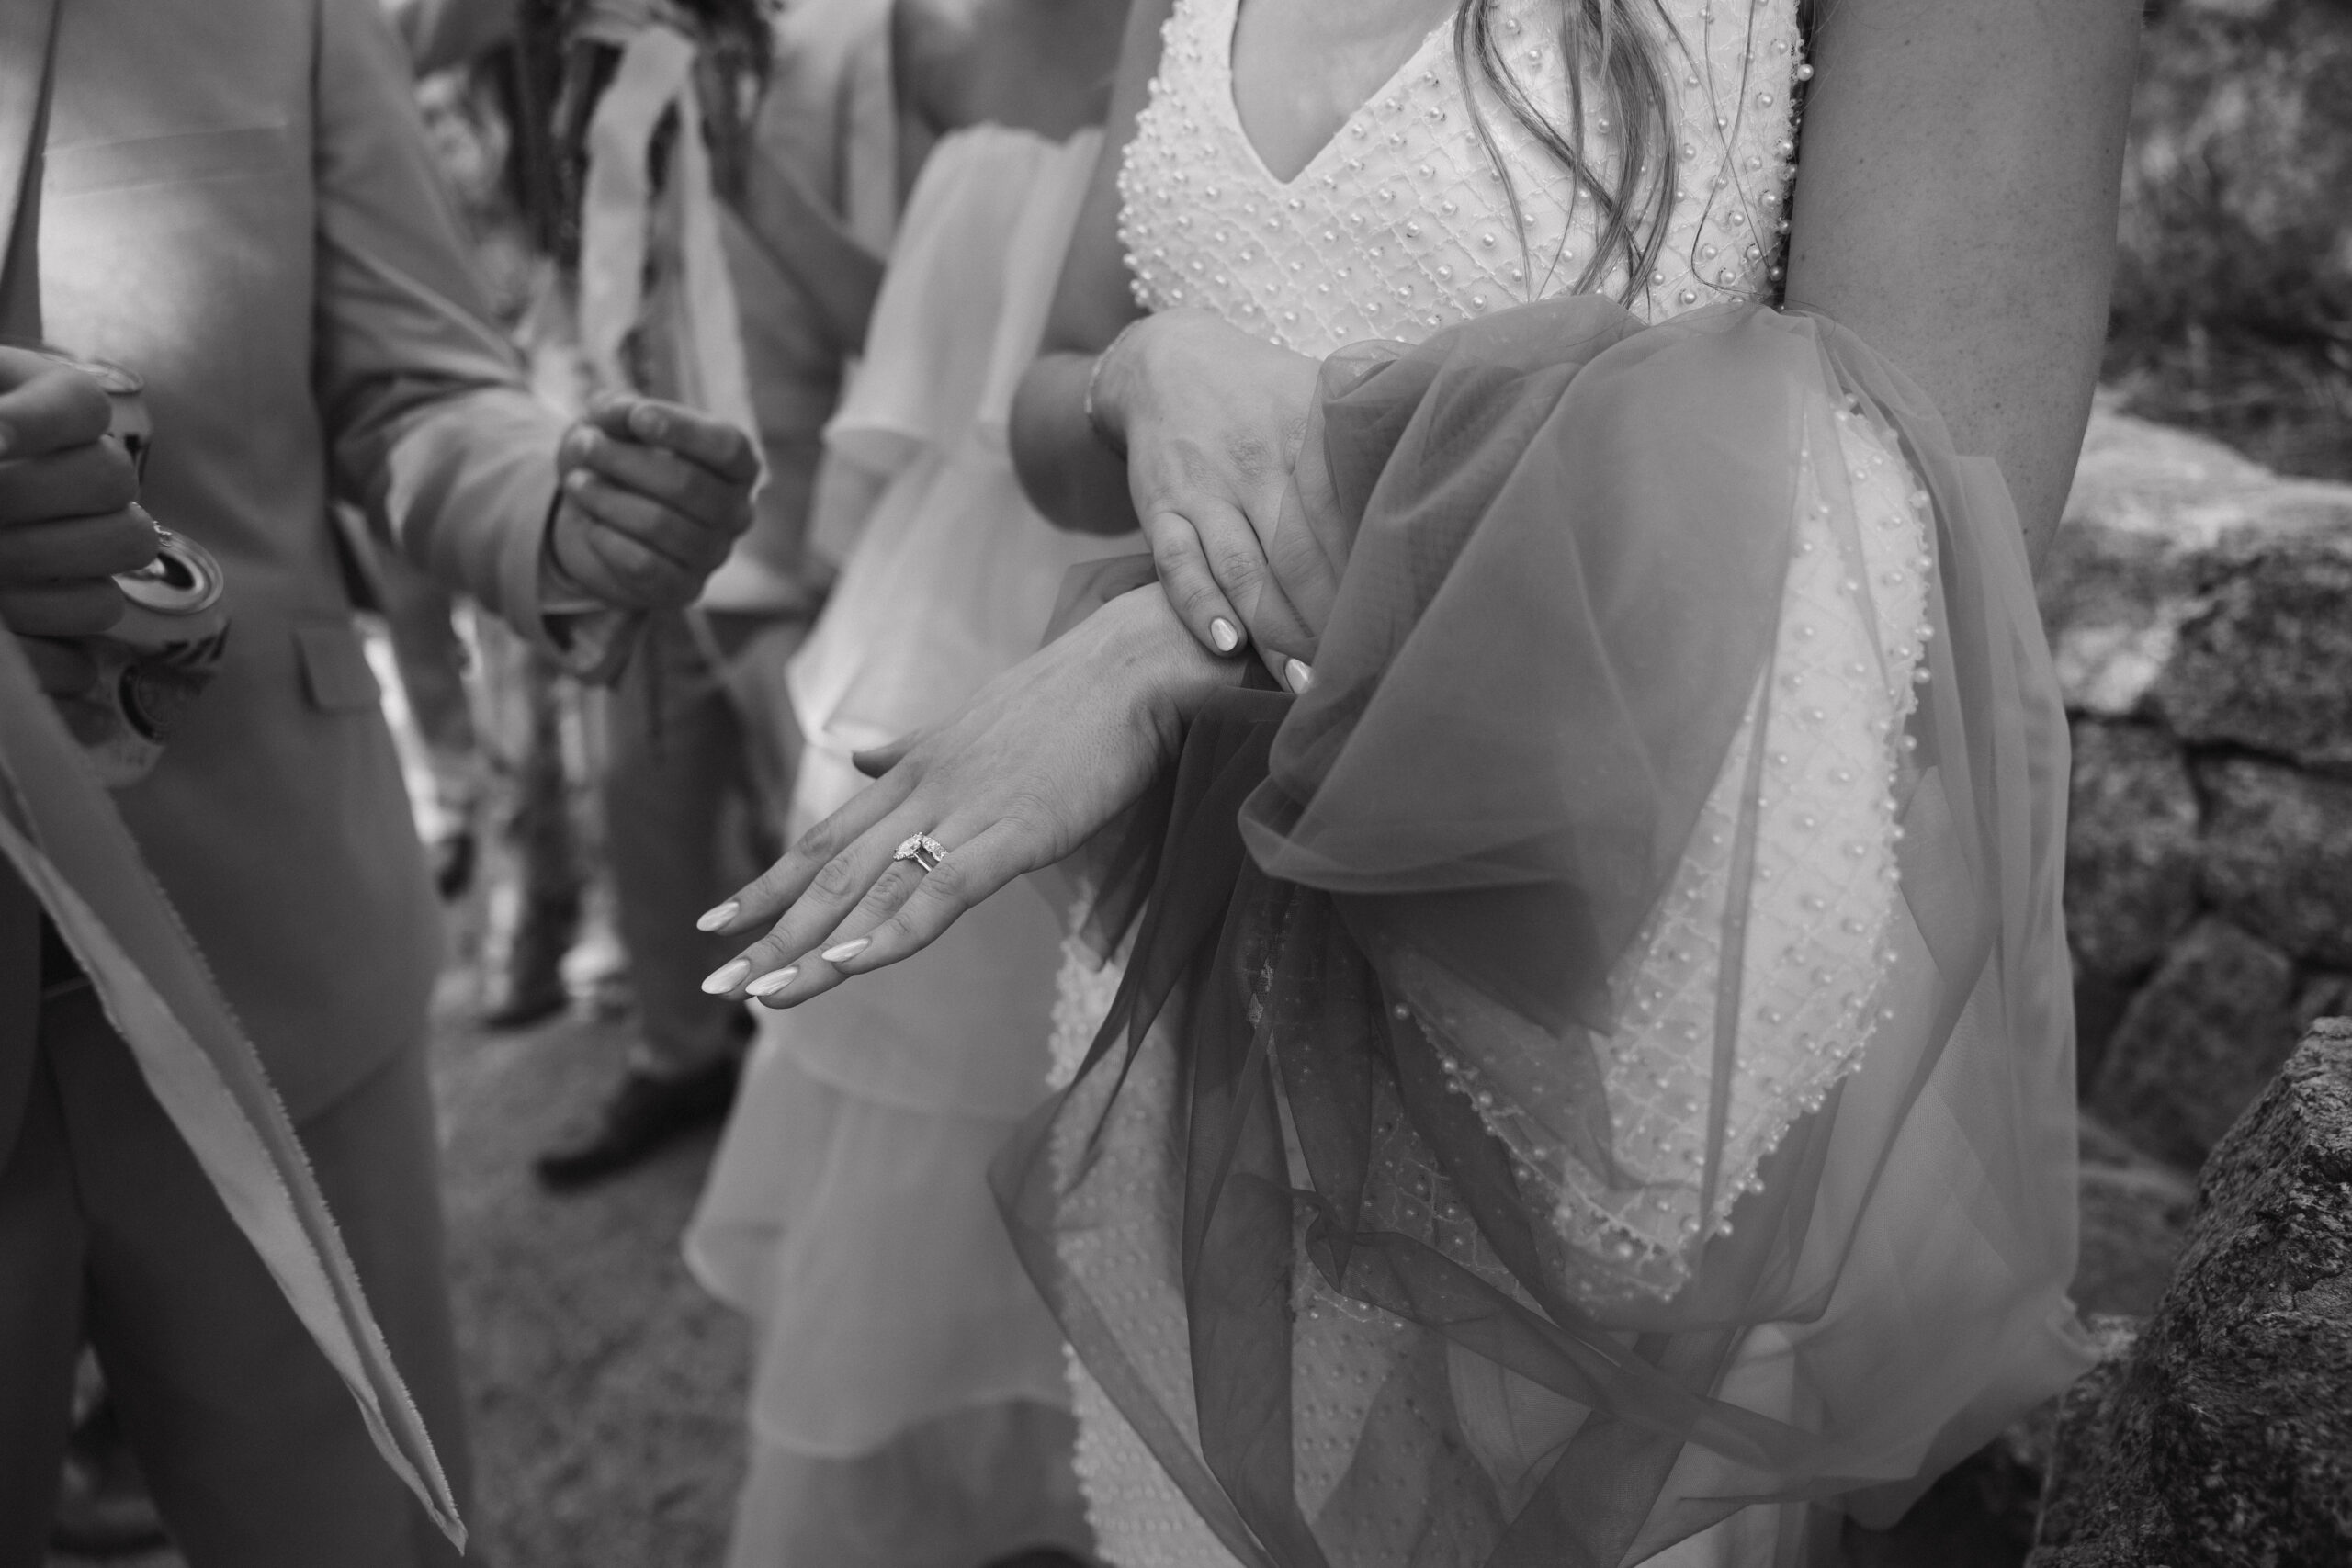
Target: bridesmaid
{"points": [[910, 1409]]}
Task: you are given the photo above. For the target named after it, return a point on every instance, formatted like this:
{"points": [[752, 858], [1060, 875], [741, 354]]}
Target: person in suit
{"points": [[235, 200]]}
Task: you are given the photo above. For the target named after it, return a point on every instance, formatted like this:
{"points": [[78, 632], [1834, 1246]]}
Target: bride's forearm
{"points": [[1071, 477]]}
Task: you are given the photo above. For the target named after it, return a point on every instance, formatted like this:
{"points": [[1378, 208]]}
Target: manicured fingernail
{"points": [[711, 919], [774, 981], [850, 949], [1221, 633], [727, 977], [1299, 676]]}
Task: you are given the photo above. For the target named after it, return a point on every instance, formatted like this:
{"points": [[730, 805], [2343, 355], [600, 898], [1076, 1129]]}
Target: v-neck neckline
{"points": [[1233, 104]]}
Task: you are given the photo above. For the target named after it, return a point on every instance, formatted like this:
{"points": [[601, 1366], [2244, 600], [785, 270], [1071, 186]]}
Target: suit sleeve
{"points": [[432, 428]]}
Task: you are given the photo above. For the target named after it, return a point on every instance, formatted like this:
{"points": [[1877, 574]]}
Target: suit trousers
{"points": [[682, 809], [109, 1231]]}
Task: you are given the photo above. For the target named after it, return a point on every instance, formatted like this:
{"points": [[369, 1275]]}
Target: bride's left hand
{"points": [[1044, 756], [1212, 419]]}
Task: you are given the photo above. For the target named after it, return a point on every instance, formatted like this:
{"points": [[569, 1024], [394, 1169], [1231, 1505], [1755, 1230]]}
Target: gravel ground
{"points": [[605, 1387]]}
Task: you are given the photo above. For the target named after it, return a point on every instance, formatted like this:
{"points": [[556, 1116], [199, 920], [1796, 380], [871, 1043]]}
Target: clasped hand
{"points": [[1050, 752], [1213, 419], [653, 497]]}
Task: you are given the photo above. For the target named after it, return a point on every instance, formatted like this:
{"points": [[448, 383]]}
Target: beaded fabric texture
{"points": [[1400, 225]]}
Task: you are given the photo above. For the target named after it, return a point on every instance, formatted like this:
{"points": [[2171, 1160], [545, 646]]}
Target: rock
{"points": [[2198, 1042], [2134, 1216], [2072, 1471], [2278, 856], [2123, 572], [2225, 1435], [2131, 848], [2190, 585], [2241, 151], [2266, 662]]}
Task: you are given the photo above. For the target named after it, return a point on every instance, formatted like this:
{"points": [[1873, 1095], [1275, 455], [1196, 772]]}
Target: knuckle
{"points": [[84, 405], [820, 842], [1249, 452], [1031, 807], [1236, 564], [1197, 600], [951, 881], [1172, 543], [834, 879]]}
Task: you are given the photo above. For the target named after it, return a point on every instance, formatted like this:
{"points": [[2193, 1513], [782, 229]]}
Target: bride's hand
{"points": [[1045, 755], [1212, 419]]}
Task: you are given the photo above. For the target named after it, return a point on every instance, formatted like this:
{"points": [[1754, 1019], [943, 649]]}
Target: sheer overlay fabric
{"points": [[1400, 1208]]}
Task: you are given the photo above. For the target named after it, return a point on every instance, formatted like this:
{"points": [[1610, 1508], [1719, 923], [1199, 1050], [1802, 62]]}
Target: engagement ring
{"points": [[921, 849]]}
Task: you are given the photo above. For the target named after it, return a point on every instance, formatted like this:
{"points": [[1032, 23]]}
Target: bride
{"points": [[1592, 1076]]}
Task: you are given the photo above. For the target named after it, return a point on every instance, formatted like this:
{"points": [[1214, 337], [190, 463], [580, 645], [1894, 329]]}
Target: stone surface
{"points": [[2198, 1042], [2224, 1437], [2267, 660], [2241, 151], [2191, 584], [2123, 572], [2277, 855], [2131, 848]]}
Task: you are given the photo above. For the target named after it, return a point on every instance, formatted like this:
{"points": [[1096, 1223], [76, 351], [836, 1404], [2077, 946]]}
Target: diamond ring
{"points": [[923, 849]]}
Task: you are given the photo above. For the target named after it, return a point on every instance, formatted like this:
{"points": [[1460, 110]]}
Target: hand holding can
{"points": [[68, 514], [122, 620]]}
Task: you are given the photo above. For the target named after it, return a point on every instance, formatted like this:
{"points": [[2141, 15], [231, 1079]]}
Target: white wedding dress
{"points": [[1400, 226]]}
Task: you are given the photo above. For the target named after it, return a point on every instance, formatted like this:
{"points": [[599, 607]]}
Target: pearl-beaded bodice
{"points": [[1402, 224]]}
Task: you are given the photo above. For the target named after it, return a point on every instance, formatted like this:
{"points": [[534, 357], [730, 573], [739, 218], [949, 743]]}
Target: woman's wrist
{"points": [[1105, 405], [1174, 675]]}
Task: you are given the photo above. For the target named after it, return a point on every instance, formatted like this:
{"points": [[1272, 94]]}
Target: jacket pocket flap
{"points": [[335, 674]]}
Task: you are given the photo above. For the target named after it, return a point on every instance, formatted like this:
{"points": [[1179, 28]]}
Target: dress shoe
{"points": [[523, 1009], [103, 1508], [454, 857], [644, 1114]]}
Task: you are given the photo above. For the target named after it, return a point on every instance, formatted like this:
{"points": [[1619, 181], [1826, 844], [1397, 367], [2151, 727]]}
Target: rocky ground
{"points": [[605, 1387]]}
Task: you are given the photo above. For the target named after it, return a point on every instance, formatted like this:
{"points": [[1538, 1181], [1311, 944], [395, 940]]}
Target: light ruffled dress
{"points": [[910, 1409]]}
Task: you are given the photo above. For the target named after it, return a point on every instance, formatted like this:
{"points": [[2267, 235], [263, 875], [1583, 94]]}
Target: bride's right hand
{"points": [[1044, 756], [1212, 419]]}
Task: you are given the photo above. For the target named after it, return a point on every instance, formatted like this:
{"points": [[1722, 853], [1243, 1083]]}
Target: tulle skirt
{"points": [[1594, 1079]]}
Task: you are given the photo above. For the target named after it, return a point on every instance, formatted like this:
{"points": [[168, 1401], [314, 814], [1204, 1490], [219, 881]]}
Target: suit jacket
{"points": [[238, 203]]}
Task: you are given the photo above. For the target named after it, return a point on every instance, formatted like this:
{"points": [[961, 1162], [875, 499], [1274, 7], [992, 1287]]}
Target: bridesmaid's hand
{"points": [[1212, 419], [1045, 754]]}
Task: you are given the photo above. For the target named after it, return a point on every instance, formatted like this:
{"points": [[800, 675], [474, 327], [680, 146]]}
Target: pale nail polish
{"points": [[727, 977], [1299, 676], [770, 983], [711, 919], [1221, 633], [846, 950]]}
